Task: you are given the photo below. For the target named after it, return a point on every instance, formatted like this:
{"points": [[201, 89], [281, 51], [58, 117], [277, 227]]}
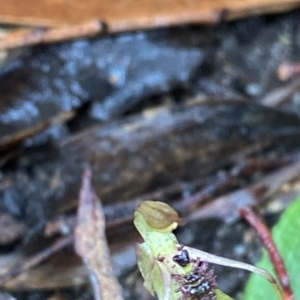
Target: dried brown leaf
{"points": [[130, 14], [91, 244]]}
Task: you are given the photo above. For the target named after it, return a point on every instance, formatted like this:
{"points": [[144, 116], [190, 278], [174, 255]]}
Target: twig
{"points": [[246, 168], [30, 37], [252, 216], [226, 206], [189, 204]]}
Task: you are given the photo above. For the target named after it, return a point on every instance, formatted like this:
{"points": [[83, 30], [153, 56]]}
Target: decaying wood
{"points": [[91, 244]]}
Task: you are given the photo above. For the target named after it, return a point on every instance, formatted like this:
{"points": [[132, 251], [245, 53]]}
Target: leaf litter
{"points": [[58, 178]]}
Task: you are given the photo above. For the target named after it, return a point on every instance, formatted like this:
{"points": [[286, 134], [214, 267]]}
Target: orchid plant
{"points": [[173, 271]]}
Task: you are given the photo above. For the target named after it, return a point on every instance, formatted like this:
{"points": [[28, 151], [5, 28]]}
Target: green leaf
{"points": [[146, 263], [162, 282], [286, 234]]}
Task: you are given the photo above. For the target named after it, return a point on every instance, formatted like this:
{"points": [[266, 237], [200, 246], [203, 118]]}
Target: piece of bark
{"points": [[91, 244], [130, 15]]}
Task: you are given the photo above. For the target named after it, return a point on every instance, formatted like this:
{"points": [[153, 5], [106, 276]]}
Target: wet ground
{"points": [[146, 110]]}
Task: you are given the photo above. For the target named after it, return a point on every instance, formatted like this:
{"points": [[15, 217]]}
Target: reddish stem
{"points": [[253, 217]]}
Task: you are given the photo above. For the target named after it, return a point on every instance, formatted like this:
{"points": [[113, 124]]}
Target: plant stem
{"points": [[253, 217]]}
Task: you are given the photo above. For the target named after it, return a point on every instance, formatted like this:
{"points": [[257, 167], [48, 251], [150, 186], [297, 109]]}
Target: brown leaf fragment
{"points": [[91, 244]]}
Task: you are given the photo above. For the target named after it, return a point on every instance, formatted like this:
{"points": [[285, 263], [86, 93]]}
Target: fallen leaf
{"points": [[91, 244], [129, 14]]}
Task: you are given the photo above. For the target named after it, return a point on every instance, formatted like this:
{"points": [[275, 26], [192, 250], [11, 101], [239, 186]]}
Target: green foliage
{"points": [[286, 234], [160, 243]]}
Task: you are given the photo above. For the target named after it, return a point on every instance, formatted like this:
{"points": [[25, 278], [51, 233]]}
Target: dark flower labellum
{"points": [[200, 284], [182, 259]]}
